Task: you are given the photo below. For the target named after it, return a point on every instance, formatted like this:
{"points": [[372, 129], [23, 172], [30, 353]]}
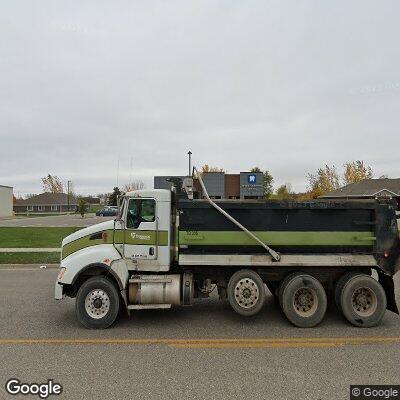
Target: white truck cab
{"points": [[139, 239]]}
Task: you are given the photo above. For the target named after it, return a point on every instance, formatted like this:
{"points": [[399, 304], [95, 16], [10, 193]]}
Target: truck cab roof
{"points": [[158, 194]]}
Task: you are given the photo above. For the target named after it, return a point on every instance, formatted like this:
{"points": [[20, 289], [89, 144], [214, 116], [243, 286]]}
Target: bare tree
{"points": [[103, 197], [133, 185], [52, 184]]}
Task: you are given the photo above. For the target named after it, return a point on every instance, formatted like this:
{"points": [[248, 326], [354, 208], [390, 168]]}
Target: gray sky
{"points": [[287, 86]]}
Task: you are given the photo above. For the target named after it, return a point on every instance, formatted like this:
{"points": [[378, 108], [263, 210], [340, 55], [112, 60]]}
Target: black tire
{"points": [[339, 285], [246, 292], [101, 215], [284, 283], [363, 301], [97, 303], [304, 301]]}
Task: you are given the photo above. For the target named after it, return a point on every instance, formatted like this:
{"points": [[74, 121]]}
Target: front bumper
{"points": [[59, 291], [59, 288]]}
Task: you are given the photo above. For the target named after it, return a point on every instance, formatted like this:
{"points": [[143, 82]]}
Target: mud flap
{"points": [[388, 285]]}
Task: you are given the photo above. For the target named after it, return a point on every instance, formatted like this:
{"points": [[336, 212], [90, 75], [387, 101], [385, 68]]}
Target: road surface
{"points": [[203, 352]]}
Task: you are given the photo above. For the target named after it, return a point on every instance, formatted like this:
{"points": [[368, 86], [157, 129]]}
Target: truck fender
{"points": [[102, 255], [100, 267], [388, 285]]}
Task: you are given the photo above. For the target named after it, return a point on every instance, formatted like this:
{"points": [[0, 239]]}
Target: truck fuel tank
{"points": [[155, 289]]}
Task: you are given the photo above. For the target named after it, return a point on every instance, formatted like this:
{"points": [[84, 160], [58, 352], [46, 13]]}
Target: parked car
{"points": [[107, 211]]}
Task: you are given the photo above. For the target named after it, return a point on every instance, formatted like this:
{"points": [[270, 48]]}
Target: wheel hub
{"points": [[361, 300], [305, 302], [364, 301], [246, 293], [97, 303]]}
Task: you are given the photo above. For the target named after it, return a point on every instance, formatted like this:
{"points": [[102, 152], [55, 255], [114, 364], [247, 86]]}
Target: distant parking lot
{"points": [[73, 220]]}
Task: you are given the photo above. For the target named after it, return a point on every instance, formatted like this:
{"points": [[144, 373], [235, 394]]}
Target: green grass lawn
{"points": [[30, 215], [94, 208], [29, 258], [33, 236]]}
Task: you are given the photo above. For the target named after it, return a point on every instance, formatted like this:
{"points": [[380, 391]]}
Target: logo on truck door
{"points": [[140, 237]]}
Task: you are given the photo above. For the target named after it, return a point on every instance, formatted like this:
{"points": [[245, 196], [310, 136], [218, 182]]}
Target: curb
{"points": [[15, 266], [30, 250]]}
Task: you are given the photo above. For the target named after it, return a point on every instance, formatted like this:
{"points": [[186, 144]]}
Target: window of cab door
{"points": [[139, 211]]}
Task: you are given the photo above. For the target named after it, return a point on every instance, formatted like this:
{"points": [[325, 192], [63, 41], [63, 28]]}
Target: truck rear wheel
{"points": [[363, 301], [283, 284], [246, 292], [97, 303], [303, 300], [339, 287]]}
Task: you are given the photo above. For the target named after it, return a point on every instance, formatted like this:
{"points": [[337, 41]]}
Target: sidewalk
{"points": [[30, 250], [4, 267]]}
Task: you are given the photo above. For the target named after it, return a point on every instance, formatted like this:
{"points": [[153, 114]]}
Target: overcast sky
{"points": [[287, 86]]}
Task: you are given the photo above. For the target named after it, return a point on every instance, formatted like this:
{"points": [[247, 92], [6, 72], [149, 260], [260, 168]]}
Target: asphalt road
{"points": [[72, 220], [173, 354]]}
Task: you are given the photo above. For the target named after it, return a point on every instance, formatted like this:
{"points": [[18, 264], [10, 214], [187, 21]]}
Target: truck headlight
{"points": [[61, 273]]}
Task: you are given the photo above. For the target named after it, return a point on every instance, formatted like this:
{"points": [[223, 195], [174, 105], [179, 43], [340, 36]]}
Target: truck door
{"points": [[141, 230]]}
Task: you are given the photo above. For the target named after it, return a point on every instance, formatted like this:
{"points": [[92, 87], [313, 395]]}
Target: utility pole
{"points": [[190, 162], [68, 184]]}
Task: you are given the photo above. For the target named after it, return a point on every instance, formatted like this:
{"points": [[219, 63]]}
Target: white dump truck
{"points": [[165, 249]]}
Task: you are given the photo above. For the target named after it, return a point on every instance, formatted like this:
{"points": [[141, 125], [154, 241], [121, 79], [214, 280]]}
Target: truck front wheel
{"points": [[97, 303], [303, 300], [246, 292]]}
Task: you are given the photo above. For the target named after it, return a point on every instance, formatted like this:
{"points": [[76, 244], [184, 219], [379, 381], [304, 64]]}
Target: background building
{"points": [[215, 184], [219, 185], [6, 201], [232, 186], [251, 185], [47, 203], [161, 182], [368, 189]]}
